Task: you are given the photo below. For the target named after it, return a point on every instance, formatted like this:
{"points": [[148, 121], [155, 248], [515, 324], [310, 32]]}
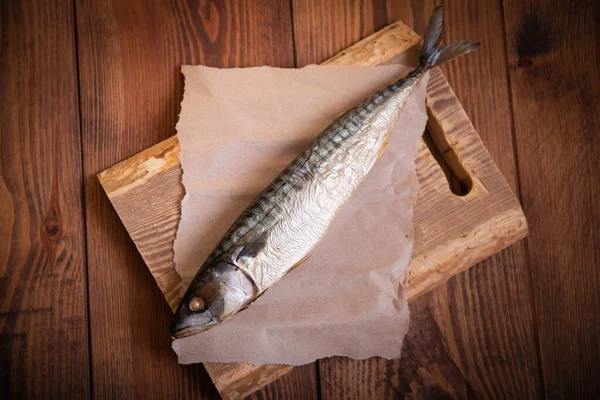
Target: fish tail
{"points": [[432, 53]]}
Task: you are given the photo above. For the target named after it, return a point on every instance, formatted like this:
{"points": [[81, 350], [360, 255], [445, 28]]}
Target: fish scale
{"points": [[316, 168], [281, 226], [269, 198], [311, 159]]}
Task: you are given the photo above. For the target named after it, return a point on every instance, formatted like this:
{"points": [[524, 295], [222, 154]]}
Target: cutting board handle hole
{"points": [[459, 181]]}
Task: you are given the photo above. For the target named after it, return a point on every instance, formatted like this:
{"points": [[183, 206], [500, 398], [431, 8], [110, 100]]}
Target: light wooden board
{"points": [[452, 232]]}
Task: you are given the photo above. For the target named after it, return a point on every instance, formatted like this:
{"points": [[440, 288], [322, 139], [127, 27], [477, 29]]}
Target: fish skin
{"points": [[280, 227], [295, 211]]}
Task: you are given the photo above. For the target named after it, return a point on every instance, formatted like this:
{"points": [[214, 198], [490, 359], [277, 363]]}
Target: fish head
{"points": [[220, 290]]}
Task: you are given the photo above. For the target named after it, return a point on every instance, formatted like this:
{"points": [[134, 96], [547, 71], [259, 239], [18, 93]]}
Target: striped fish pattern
{"points": [[280, 227]]}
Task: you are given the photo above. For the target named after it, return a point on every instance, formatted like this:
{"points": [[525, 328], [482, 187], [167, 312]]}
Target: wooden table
{"points": [[85, 84]]}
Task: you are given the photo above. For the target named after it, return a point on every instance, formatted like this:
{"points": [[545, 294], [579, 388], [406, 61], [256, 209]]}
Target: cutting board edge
{"points": [[364, 53], [510, 227]]}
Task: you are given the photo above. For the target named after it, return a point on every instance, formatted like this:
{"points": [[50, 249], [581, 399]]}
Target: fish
{"points": [[281, 226]]}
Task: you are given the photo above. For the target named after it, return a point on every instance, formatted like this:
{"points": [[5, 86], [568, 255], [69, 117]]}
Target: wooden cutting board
{"points": [[465, 210]]}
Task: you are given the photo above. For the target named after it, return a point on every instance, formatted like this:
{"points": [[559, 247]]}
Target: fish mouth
{"points": [[190, 330], [192, 325]]}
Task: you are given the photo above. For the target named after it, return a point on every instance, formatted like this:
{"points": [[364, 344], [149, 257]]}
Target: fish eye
{"points": [[197, 304]]}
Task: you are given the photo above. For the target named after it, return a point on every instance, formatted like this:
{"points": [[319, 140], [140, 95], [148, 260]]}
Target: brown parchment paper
{"points": [[238, 129]]}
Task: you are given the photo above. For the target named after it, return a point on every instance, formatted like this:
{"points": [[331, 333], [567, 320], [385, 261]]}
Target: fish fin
{"points": [[254, 246], [254, 299], [386, 139], [432, 54], [302, 260], [289, 270], [433, 33]]}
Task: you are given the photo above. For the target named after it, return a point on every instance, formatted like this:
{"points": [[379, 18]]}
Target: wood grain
{"points": [[300, 383], [493, 338], [445, 242], [444, 352], [553, 56], [469, 338], [130, 54], [43, 325]]}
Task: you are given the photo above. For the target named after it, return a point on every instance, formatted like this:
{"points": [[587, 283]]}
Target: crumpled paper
{"points": [[238, 129]]}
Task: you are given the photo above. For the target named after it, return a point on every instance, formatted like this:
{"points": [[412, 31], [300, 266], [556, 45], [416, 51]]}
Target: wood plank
{"points": [[438, 253], [43, 324], [300, 383], [444, 352], [555, 85], [131, 183], [487, 318], [131, 87]]}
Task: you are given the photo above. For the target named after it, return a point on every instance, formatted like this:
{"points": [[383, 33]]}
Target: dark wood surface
{"points": [[555, 102], [456, 347], [43, 319], [131, 88], [86, 84]]}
